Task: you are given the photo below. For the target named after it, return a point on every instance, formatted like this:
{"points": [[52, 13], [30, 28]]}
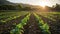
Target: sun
{"points": [[43, 3]]}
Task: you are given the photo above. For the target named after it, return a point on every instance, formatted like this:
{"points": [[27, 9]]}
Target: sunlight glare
{"points": [[43, 3]]}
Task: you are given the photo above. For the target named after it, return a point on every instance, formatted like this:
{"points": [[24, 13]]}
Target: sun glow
{"points": [[43, 3]]}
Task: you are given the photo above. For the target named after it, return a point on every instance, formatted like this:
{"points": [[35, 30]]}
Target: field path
{"points": [[32, 26]]}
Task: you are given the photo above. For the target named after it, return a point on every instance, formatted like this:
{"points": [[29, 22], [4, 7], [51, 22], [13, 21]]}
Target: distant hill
{"points": [[4, 2], [6, 5]]}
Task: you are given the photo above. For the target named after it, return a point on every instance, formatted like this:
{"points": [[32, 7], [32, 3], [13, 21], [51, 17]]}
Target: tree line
{"points": [[54, 7], [20, 7], [14, 7]]}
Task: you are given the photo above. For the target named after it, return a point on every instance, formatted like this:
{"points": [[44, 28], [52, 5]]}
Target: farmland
{"points": [[27, 22]]}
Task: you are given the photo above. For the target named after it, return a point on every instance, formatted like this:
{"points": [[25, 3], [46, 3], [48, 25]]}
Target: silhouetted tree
{"points": [[57, 7]]}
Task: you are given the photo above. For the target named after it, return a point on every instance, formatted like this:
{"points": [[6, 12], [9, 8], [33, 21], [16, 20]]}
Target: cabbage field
{"points": [[27, 22]]}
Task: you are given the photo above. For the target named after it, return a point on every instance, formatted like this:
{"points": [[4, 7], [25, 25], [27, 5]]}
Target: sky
{"points": [[37, 2]]}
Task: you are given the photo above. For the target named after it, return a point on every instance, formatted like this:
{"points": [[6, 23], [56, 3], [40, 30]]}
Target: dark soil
{"points": [[32, 26], [5, 28], [54, 25]]}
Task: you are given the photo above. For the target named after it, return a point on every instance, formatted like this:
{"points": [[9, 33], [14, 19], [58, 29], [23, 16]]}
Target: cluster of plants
{"points": [[4, 17], [50, 15], [19, 28], [43, 26]]}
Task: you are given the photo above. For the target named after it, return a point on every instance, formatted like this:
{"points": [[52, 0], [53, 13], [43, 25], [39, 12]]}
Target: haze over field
{"points": [[37, 2]]}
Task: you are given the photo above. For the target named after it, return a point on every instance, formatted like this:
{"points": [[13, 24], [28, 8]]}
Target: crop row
{"points": [[43, 26], [50, 15], [8, 17], [19, 28]]}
